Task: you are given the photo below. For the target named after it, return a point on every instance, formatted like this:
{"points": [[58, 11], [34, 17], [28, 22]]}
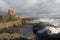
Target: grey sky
{"points": [[32, 7]]}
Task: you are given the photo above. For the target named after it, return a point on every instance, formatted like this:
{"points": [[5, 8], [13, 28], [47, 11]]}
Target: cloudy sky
{"points": [[34, 8]]}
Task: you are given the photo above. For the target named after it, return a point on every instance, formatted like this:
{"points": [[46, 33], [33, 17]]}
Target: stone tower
{"points": [[10, 12]]}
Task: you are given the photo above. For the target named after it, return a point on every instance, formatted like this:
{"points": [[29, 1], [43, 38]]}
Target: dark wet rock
{"points": [[44, 35], [19, 38]]}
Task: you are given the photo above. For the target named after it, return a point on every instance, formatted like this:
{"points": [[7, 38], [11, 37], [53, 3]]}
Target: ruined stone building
{"points": [[10, 12]]}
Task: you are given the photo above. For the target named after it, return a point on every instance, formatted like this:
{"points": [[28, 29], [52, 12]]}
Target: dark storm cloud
{"points": [[32, 7]]}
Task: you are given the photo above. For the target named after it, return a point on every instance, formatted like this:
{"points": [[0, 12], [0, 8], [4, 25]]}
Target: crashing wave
{"points": [[50, 30], [51, 21]]}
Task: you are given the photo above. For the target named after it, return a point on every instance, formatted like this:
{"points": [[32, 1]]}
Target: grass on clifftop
{"points": [[5, 18]]}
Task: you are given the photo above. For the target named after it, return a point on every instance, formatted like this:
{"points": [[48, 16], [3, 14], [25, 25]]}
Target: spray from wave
{"points": [[47, 20]]}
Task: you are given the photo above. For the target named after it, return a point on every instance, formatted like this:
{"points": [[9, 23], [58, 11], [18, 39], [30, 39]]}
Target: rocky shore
{"points": [[15, 36], [6, 25]]}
